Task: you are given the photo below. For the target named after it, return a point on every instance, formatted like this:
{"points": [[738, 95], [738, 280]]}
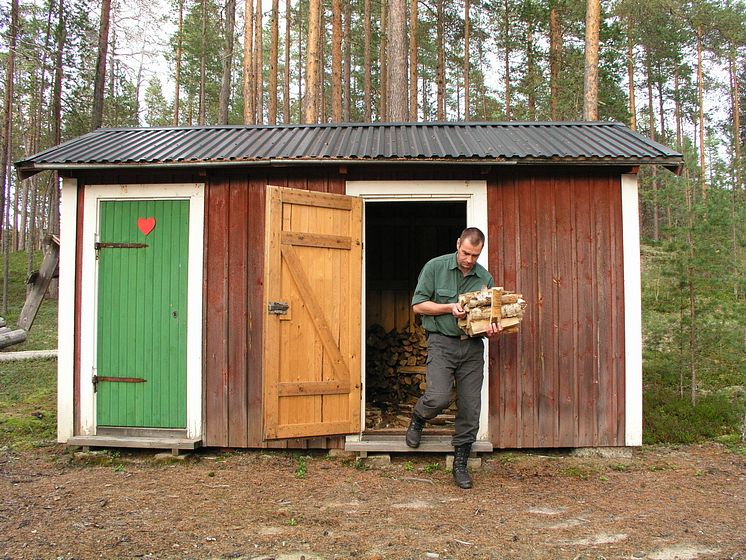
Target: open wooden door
{"points": [[312, 301]]}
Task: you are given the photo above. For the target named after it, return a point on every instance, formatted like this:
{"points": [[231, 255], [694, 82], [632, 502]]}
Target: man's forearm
{"points": [[432, 308]]}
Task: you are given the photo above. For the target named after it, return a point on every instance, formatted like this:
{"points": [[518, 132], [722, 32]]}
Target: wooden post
{"points": [[41, 284]]}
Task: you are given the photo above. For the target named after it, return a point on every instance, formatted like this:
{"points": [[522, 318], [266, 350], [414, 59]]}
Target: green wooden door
{"points": [[142, 313]]}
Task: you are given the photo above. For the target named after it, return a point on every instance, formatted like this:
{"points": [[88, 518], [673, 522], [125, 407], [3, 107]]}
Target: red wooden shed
{"points": [[217, 284]]}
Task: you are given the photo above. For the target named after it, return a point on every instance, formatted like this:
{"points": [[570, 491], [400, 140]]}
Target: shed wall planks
{"points": [[556, 238], [234, 269]]}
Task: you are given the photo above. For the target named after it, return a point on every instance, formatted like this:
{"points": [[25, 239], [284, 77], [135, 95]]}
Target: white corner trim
{"points": [[194, 192], [66, 311], [632, 312], [474, 193]]}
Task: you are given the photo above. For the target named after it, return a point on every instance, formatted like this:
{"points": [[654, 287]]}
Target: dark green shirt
{"points": [[441, 281]]}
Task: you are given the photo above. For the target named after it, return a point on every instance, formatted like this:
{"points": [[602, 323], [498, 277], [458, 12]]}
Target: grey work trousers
{"points": [[452, 360]]}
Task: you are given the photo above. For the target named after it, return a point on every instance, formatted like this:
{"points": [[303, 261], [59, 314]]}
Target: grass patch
{"points": [[28, 407], [28, 403], [581, 472]]}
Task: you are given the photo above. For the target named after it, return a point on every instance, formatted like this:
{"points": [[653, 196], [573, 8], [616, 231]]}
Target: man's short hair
{"points": [[472, 235]]}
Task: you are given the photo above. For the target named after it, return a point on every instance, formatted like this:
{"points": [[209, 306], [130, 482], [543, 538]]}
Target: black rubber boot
{"points": [[414, 431], [460, 466]]}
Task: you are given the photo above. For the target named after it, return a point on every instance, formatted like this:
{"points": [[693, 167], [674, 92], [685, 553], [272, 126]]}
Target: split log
{"points": [[12, 337], [491, 305]]}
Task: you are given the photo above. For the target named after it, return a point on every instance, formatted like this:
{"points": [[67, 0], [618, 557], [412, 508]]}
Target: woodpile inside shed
{"points": [[395, 377]]}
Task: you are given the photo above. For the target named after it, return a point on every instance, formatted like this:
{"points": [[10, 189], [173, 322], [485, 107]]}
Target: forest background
{"points": [[674, 70]]}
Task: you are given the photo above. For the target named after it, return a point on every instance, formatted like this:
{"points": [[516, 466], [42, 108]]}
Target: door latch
{"points": [[278, 307]]}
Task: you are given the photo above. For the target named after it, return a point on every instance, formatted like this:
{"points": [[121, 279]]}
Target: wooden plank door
{"points": [[312, 301], [142, 313]]}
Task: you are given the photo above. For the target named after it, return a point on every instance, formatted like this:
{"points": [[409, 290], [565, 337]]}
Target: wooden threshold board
{"points": [[428, 444], [135, 442]]}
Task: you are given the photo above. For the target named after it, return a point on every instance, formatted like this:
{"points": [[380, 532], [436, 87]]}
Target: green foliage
{"points": [[302, 466], [669, 418]]}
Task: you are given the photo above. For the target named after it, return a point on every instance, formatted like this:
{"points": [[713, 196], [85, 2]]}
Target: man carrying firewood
{"points": [[451, 356]]}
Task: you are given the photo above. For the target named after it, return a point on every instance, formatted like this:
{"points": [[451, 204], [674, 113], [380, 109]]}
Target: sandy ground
{"points": [[656, 503]]}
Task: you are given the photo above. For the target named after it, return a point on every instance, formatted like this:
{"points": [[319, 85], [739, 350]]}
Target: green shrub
{"points": [[668, 418]]}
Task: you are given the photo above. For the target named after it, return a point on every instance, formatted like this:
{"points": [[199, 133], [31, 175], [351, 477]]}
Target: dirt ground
{"points": [[657, 503]]}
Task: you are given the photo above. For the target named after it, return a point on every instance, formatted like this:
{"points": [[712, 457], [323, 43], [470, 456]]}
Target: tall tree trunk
{"points": [[6, 140], [225, 81], [736, 112], [590, 82], [347, 72], [286, 84], [413, 79], [701, 101], [259, 63], [737, 189], [467, 67], [555, 61], [440, 109], [482, 87], [367, 62], [531, 70], [61, 39], [98, 85], [661, 109], [397, 69], [322, 62], [690, 288], [311, 101], [177, 77], [249, 107], [383, 57], [301, 36], [336, 61], [631, 75], [506, 59], [6, 144], [677, 105], [274, 55], [202, 110], [425, 100], [651, 126], [112, 90]]}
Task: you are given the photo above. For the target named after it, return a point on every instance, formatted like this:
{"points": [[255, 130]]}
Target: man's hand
{"points": [[493, 329], [457, 311]]}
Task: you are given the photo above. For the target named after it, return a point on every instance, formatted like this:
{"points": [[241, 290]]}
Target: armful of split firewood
{"points": [[491, 306]]}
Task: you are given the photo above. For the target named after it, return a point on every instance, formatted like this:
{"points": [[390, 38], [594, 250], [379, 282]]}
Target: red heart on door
{"points": [[146, 225]]}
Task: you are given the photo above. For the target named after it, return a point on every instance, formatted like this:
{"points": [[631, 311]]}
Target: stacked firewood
{"points": [[395, 368], [491, 305]]}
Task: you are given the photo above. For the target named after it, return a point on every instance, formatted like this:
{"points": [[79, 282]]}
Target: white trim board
{"points": [[194, 192], [632, 312], [66, 311], [474, 194]]}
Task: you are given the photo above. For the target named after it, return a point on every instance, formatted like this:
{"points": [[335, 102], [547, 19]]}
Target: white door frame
{"points": [[94, 194], [474, 194]]}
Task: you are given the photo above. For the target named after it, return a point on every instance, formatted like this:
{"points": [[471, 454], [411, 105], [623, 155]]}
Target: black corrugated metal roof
{"points": [[513, 142]]}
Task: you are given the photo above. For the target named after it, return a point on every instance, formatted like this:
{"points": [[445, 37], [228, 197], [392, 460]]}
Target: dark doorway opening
{"points": [[400, 237]]}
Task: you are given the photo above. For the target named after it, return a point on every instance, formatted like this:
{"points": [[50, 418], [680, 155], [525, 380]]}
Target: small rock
{"points": [[377, 461]]}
